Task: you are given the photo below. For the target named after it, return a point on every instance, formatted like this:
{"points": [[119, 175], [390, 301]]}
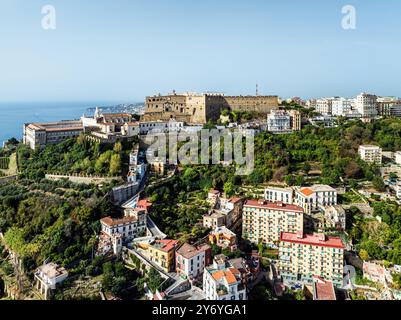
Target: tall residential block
{"points": [[263, 221], [303, 257], [366, 104]]}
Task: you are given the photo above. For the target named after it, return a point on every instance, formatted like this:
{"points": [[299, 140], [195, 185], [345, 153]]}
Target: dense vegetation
{"points": [[51, 220], [379, 241], [313, 155], [59, 220], [73, 157]]}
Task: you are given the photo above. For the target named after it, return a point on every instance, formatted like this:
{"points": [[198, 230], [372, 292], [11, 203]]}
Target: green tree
{"points": [[229, 189], [115, 164]]}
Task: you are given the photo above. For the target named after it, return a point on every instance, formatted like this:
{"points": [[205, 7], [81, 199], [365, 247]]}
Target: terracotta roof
{"points": [[64, 129], [234, 200], [274, 206], [165, 245], [189, 251], [133, 123], [307, 192], [228, 274], [323, 290], [144, 203], [214, 191], [332, 242], [111, 115], [114, 222]]}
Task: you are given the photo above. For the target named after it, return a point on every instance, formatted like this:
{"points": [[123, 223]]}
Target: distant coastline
{"points": [[14, 114]]}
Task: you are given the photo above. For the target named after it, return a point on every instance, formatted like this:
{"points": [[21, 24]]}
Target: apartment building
{"points": [[190, 260], [222, 281], [371, 154], [160, 126], [279, 121], [264, 221], [38, 135], [313, 198], [303, 257], [341, 106], [296, 120], [277, 194], [324, 105], [366, 104], [388, 106]]}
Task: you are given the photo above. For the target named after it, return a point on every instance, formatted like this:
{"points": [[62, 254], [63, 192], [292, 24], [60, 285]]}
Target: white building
{"points": [[366, 104], [160, 126], [276, 194], [324, 105], [263, 221], [48, 277], [341, 107], [191, 260], [311, 199], [279, 121], [221, 281], [115, 232], [398, 157], [371, 154], [124, 192], [397, 189], [335, 217], [38, 135]]}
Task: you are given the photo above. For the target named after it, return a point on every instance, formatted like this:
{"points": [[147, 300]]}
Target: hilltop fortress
{"points": [[200, 108]]}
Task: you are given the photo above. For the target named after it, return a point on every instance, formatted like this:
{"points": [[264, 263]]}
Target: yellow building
{"points": [[162, 253], [303, 257]]}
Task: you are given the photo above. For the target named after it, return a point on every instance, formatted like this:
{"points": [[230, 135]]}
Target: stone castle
{"points": [[200, 108]]}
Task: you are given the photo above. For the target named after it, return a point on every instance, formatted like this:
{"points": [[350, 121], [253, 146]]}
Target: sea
{"points": [[14, 115]]}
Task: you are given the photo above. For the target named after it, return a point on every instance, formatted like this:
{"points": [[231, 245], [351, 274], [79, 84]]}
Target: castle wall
{"points": [[199, 109]]}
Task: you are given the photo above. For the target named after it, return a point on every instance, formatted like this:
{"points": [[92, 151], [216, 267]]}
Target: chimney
{"points": [[280, 204], [322, 237], [300, 235]]}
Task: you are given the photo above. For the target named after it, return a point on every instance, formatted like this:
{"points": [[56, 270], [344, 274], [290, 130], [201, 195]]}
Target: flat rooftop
{"points": [[314, 240]]}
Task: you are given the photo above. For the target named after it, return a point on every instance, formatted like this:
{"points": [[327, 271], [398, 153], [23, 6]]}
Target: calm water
{"points": [[14, 115]]}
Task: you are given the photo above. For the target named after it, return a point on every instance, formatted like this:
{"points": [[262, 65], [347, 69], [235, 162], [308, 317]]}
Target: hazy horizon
{"points": [[125, 50]]}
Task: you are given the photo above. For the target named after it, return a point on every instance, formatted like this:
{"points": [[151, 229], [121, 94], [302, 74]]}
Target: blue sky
{"points": [[123, 50]]}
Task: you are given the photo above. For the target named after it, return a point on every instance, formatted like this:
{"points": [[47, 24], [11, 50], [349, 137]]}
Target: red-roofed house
{"points": [[222, 281], [115, 232], [162, 252], [304, 256], [314, 197], [191, 260]]}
